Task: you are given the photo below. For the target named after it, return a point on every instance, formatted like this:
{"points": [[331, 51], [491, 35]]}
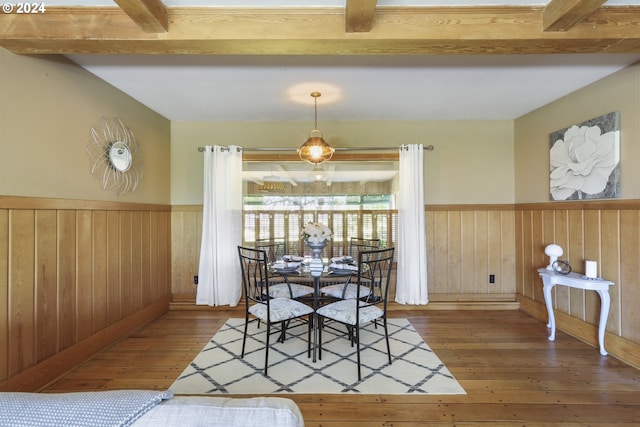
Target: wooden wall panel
{"points": [[481, 232], [164, 253], [454, 260], [468, 252], [575, 254], [84, 277], [46, 291], [530, 246], [494, 251], [145, 270], [548, 236], [592, 247], [519, 251], [429, 218], [561, 237], [136, 261], [66, 279], [629, 293], [465, 243], [185, 244], [537, 252], [153, 252], [507, 281], [4, 294], [68, 270], [113, 267], [100, 268], [607, 232], [609, 265], [441, 254], [125, 245], [22, 330]]}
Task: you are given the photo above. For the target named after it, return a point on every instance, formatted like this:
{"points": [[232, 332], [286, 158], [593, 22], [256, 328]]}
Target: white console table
{"points": [[576, 280]]}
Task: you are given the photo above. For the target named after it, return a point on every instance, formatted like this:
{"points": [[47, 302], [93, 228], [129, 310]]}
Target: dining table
{"points": [[334, 271]]}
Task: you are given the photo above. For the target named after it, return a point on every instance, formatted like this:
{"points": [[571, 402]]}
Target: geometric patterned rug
{"points": [[218, 369]]}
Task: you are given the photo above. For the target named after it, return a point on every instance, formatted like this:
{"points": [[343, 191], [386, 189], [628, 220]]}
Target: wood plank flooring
{"points": [[512, 374]]}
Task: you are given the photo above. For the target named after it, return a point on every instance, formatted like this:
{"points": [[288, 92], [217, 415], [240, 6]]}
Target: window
{"points": [[356, 199]]}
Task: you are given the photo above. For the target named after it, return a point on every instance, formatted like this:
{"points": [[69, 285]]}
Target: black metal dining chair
{"points": [[261, 307], [348, 289], [374, 273], [282, 285]]}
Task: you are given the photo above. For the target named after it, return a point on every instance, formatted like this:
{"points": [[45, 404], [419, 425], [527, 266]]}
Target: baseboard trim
{"points": [[188, 302], [40, 375], [618, 347], [456, 305]]}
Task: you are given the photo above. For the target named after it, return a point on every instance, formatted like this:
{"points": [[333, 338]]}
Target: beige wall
{"points": [[607, 231], [618, 92], [79, 267], [472, 161], [48, 107]]}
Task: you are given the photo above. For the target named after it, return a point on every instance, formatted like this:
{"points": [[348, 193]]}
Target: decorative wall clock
{"points": [[114, 152]]}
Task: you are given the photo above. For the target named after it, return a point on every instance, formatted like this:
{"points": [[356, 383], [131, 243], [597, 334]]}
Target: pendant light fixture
{"points": [[315, 150]]}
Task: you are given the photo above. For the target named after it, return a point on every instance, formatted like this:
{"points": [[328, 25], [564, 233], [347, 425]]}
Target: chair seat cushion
{"points": [[281, 290], [281, 309], [351, 291], [345, 311]]}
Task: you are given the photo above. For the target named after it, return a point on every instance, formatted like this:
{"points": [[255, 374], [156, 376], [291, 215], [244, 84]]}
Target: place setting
{"points": [[287, 264], [342, 264]]}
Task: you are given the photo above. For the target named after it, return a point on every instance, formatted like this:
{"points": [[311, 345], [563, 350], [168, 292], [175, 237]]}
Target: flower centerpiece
{"points": [[316, 233]]}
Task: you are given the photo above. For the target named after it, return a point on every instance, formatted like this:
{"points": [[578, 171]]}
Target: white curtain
{"points": [[411, 250], [219, 276]]}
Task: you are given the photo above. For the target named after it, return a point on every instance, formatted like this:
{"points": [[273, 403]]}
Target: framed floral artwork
{"points": [[584, 160]]}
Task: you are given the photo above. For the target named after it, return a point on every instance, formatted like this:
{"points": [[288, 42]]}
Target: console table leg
{"points": [[549, 303], [605, 304]]}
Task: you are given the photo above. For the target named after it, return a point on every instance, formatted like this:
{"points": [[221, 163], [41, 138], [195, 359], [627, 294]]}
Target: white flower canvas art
{"points": [[584, 160]]}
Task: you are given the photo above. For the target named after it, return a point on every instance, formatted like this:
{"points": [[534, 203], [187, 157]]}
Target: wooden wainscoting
{"points": [[186, 233], [605, 231], [466, 244], [71, 269]]}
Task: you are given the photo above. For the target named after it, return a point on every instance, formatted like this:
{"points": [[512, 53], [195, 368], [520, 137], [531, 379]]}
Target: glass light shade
{"points": [[318, 174], [315, 150]]}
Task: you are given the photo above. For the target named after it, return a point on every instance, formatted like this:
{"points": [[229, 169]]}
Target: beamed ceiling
{"points": [[360, 27], [372, 60]]}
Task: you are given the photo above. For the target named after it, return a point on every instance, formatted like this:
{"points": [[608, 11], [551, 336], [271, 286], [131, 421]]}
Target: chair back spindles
{"points": [[359, 244], [253, 263], [374, 272], [275, 248]]}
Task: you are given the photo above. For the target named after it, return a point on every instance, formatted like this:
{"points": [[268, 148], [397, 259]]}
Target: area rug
{"points": [[218, 368]]}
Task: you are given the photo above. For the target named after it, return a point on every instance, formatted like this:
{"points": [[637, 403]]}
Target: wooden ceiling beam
{"points": [[308, 31], [150, 15], [561, 15], [359, 15]]}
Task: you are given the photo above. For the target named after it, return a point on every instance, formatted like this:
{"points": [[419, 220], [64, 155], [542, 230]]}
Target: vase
{"points": [[316, 266]]}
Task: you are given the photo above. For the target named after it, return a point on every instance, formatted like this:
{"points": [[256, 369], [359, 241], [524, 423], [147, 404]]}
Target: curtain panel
{"points": [[219, 276], [411, 287]]}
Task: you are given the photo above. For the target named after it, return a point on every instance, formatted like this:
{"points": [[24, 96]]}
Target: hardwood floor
{"points": [[512, 374]]}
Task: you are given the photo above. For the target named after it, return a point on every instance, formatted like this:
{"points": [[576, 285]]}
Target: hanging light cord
{"points": [[315, 108]]}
